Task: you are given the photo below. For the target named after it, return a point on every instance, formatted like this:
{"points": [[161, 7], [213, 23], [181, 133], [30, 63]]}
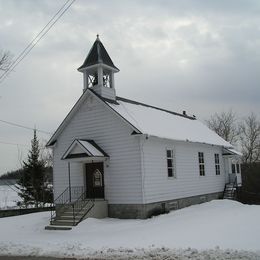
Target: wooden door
{"points": [[95, 180]]}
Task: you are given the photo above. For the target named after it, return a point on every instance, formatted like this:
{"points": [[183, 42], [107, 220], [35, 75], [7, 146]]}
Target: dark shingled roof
{"points": [[97, 55]]}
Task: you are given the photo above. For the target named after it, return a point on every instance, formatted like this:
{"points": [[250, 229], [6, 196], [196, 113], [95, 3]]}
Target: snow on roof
{"points": [[90, 148], [232, 151], [160, 123], [87, 148]]}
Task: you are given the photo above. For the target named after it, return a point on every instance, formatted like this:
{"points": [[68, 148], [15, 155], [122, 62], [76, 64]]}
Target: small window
{"points": [[201, 164], [170, 163], [233, 166], [217, 167], [238, 168]]}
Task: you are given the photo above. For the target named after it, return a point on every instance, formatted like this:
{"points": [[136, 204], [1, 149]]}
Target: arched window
{"points": [[97, 178]]}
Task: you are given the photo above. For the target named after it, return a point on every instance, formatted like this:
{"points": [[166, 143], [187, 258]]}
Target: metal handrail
{"points": [[234, 185], [60, 197], [65, 199], [79, 205]]}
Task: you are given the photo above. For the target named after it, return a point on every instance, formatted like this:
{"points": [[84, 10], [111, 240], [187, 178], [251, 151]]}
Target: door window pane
{"points": [[97, 178]]}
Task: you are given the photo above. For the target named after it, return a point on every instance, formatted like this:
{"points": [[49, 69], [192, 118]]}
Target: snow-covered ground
{"points": [[220, 229], [8, 197]]}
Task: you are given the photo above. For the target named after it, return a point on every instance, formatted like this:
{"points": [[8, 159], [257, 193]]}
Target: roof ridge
{"points": [[154, 107]]}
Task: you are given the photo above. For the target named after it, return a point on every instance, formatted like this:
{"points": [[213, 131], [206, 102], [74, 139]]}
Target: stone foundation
{"points": [[143, 211]]}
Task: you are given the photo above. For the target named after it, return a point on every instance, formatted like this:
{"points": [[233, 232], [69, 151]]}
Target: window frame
{"points": [[233, 168], [238, 170], [201, 160], [217, 164], [173, 163]]}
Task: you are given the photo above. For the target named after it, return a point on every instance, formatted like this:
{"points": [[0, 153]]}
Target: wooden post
{"points": [[69, 182], [100, 76]]}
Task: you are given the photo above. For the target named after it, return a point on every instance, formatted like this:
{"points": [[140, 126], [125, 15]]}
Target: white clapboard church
{"points": [[121, 158]]}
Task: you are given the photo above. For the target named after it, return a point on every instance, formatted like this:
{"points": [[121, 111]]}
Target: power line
{"points": [[25, 127], [13, 144], [27, 47], [34, 42]]}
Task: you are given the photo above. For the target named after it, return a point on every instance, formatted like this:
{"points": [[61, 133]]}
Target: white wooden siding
{"points": [[122, 172], [158, 186]]}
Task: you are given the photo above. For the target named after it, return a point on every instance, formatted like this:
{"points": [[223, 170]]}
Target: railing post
{"points": [[69, 182], [73, 212]]}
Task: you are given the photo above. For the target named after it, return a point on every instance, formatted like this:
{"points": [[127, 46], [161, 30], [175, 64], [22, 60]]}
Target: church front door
{"points": [[95, 180]]}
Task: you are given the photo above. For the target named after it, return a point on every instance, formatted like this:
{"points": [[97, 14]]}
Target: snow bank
{"points": [[216, 228]]}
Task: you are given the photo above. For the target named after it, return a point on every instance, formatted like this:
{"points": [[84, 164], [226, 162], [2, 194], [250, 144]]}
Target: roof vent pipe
{"points": [[184, 112]]}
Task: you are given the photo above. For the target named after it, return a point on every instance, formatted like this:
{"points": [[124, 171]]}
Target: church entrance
{"points": [[95, 180]]}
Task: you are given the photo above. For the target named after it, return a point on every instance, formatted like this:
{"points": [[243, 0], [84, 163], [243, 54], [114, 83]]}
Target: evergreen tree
{"points": [[31, 183]]}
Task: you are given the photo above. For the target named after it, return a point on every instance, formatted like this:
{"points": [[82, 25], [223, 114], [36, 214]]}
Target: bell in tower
{"points": [[98, 71]]}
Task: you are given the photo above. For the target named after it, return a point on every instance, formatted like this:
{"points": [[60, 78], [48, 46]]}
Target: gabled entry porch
{"points": [[76, 203]]}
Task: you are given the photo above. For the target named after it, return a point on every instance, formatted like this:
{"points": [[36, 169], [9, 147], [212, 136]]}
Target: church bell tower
{"points": [[98, 71]]}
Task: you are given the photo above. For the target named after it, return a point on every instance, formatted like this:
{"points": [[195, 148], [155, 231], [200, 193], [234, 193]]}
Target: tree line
{"points": [[244, 134]]}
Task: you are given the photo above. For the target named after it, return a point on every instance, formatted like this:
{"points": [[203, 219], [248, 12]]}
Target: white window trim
{"points": [[173, 162], [235, 163], [201, 176], [217, 164]]}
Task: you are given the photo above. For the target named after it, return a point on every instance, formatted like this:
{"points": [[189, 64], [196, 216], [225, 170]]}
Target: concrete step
{"points": [[52, 227], [79, 209], [71, 212], [228, 195], [68, 218], [65, 218], [62, 223]]}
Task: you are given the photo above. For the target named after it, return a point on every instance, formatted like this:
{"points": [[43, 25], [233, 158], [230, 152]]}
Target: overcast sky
{"points": [[199, 56]]}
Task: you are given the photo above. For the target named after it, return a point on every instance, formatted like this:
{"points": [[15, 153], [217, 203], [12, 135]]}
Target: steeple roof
{"points": [[98, 55]]}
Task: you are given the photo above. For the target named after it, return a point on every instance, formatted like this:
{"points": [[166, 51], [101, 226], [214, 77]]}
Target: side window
{"points": [[233, 166], [238, 168], [201, 164], [170, 163], [217, 166]]}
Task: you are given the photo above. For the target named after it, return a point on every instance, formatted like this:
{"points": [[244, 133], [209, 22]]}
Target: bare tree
{"points": [[250, 138], [5, 60], [225, 125]]}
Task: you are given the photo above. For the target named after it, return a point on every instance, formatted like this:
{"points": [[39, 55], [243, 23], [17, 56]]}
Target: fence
{"points": [[250, 191], [17, 212]]}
